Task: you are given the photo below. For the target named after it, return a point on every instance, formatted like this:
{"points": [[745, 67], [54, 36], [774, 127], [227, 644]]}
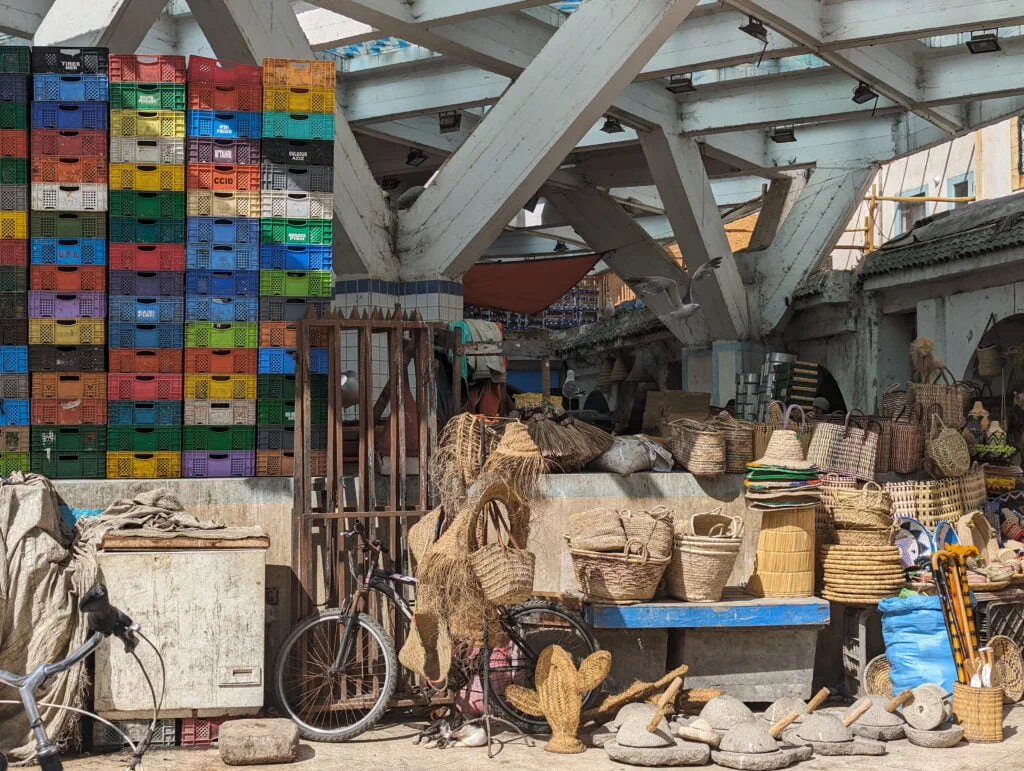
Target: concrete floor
{"points": [[390, 747]]}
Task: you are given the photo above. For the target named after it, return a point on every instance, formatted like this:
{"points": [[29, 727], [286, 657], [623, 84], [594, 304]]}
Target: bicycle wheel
{"points": [[531, 628], [328, 704]]}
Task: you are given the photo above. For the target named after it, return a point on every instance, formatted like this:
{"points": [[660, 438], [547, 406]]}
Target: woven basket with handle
{"points": [[652, 530], [704, 553], [698, 448], [613, 579], [946, 450], [504, 570], [739, 442], [894, 400], [941, 390]]}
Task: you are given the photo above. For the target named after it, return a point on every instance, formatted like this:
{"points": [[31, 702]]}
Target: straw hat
{"points": [[785, 450]]}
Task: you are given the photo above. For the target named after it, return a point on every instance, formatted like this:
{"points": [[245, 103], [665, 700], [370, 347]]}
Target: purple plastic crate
{"points": [[245, 152], [237, 463], [147, 283], [67, 305]]}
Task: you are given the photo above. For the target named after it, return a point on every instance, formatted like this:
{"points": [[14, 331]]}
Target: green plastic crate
{"points": [[13, 115], [144, 438], [296, 232], [15, 461], [135, 203], [90, 464], [13, 278], [218, 438], [297, 283], [13, 171], [215, 334], [283, 387], [59, 439], [147, 96], [161, 230], [79, 224], [281, 412], [15, 59]]}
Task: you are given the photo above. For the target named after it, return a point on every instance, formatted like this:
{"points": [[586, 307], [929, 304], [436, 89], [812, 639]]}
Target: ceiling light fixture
{"points": [[416, 157], [612, 125], [864, 93], [449, 121], [756, 29], [782, 134], [984, 42], [390, 183], [680, 84], [561, 246]]}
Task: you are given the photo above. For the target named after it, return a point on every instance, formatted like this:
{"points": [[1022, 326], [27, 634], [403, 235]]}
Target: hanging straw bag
{"points": [[947, 453], [763, 431], [948, 396], [894, 400], [697, 448], [907, 441], [504, 570], [846, 449], [990, 357]]}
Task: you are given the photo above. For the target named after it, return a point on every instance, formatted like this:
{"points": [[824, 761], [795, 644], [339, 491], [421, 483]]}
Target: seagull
{"points": [[609, 309], [689, 307], [656, 285]]}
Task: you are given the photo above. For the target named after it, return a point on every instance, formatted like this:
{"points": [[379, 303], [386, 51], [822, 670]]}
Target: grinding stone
{"points": [[767, 761], [640, 709], [633, 733], [601, 736], [783, 707], [725, 711], [680, 754], [749, 738]]}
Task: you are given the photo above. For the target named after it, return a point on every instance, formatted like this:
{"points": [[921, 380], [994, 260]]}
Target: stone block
{"points": [[637, 654], [256, 742]]}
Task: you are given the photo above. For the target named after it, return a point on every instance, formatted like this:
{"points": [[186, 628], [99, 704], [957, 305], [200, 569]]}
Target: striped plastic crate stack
{"points": [[67, 302], [15, 89], [295, 253], [222, 262], [147, 261]]}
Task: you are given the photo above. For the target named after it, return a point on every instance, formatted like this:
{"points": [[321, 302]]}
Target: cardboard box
{"points": [[665, 406]]}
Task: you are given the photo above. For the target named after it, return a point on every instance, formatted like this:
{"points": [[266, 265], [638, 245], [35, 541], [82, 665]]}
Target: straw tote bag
{"points": [[894, 399], [846, 449], [948, 396], [504, 570], [907, 442], [990, 357], [947, 450]]}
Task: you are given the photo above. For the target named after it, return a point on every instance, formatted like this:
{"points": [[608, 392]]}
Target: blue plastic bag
{"points": [[916, 643]]}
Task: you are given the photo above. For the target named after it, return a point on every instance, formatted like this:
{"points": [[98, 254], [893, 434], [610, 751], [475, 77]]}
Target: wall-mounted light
{"points": [[416, 157], [756, 29], [390, 183], [782, 134], [983, 43], [864, 93], [449, 121], [561, 246], [612, 125], [680, 84]]}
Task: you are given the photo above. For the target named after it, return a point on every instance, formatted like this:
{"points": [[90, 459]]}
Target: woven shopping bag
{"points": [[504, 570], [848, 449], [894, 399], [948, 395], [907, 442], [946, 449]]}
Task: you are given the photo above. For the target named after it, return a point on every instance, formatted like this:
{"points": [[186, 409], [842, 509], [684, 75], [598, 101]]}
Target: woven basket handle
{"points": [[846, 422], [500, 524], [643, 553], [944, 373], [894, 388], [775, 414], [789, 412], [659, 512], [990, 326], [737, 526]]}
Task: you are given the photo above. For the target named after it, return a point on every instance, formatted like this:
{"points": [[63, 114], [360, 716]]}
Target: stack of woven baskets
{"points": [[703, 555], [863, 517], [619, 557]]}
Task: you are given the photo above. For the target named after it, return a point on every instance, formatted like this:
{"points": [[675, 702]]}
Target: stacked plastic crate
{"points": [[295, 254], [15, 89], [222, 261], [147, 279], [68, 255]]}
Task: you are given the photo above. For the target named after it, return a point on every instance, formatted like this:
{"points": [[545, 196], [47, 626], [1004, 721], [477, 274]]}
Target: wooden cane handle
{"points": [[857, 712], [668, 697], [817, 701], [783, 724], [900, 700], [704, 737]]}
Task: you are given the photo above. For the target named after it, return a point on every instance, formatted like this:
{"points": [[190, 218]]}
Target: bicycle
{"points": [[104, 620], [337, 671]]}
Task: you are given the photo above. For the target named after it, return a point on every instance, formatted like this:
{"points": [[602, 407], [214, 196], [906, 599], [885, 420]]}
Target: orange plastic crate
{"points": [[210, 176], [70, 170], [299, 73], [68, 278], [213, 96], [281, 463], [60, 412], [13, 143], [69, 385], [159, 361], [221, 361], [282, 334]]}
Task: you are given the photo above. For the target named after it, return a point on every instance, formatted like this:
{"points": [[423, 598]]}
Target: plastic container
{"points": [[68, 251], [222, 309], [53, 196], [291, 308], [298, 152], [147, 310], [147, 230], [222, 283], [62, 412], [65, 116], [297, 283], [242, 257], [146, 68], [68, 224], [66, 332], [143, 465], [300, 73], [146, 336], [15, 461], [218, 438], [148, 204], [147, 283], [73, 143], [212, 334], [67, 305], [281, 361], [67, 358], [218, 464], [147, 123], [147, 96], [144, 176], [298, 99], [226, 124], [14, 87], [69, 385], [15, 438], [210, 176], [298, 125], [69, 438], [281, 412], [14, 171], [223, 203], [147, 150], [13, 115], [143, 438], [104, 736], [216, 387], [286, 257], [203, 69], [16, 59], [213, 150], [224, 231], [68, 88], [68, 170], [14, 386], [281, 463], [13, 253], [70, 61], [297, 177], [147, 257], [297, 205], [144, 413], [68, 278], [221, 361], [137, 387], [148, 361], [210, 96], [14, 307], [283, 438], [13, 278], [14, 143], [200, 732], [14, 412], [297, 232], [236, 412], [70, 465], [14, 224], [283, 387]]}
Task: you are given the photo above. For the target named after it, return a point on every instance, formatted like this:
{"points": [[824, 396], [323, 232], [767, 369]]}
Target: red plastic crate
{"points": [[69, 385], [53, 143], [69, 169], [156, 361], [144, 68], [200, 732], [221, 361], [13, 143], [136, 387], [68, 278], [281, 463], [210, 176], [213, 96], [203, 69], [59, 412], [146, 256], [14, 252]]}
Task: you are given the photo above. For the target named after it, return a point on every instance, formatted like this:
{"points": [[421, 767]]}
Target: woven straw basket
{"points": [[947, 450], [739, 442], [979, 711], [697, 448], [505, 573], [650, 529], [784, 563], [617, 579], [705, 551]]}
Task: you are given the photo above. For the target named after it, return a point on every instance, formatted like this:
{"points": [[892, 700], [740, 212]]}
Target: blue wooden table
{"points": [[735, 611]]}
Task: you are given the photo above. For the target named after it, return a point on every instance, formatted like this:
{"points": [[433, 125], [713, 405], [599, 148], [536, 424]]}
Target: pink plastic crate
{"points": [[200, 732], [144, 387]]}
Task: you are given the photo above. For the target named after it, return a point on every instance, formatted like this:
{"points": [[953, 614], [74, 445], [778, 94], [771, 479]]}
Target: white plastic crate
{"points": [[297, 205], [58, 196], [234, 412], [147, 150], [103, 736]]}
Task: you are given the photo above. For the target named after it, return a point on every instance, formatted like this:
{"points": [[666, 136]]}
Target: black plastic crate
{"points": [[291, 308], [283, 437], [70, 61], [303, 152], [67, 358]]}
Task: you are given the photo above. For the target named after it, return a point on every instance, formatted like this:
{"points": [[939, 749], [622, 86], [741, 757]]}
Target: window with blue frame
{"points": [[961, 186], [909, 212]]}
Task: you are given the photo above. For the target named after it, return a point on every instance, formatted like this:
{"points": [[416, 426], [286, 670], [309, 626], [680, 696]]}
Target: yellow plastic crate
{"points": [[143, 465], [14, 224], [147, 123], [155, 177], [220, 387], [67, 332], [295, 99], [221, 203]]}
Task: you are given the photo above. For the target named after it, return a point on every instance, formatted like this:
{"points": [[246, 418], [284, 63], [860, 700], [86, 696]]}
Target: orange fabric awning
{"points": [[524, 287]]}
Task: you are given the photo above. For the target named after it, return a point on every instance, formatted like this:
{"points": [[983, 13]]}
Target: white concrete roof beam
{"points": [[120, 25]]}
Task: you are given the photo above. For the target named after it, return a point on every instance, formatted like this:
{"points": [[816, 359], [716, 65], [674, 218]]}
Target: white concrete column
{"points": [[527, 134], [778, 201], [120, 25]]}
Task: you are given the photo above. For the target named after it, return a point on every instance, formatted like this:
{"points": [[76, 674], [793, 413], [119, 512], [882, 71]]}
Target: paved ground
{"points": [[390, 748]]}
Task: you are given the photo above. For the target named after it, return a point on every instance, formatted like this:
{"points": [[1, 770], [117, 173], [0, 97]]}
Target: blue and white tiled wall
{"points": [[436, 300]]}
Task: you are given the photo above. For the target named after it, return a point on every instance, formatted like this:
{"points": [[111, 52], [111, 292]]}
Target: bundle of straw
{"points": [[517, 462], [592, 441], [461, 451], [555, 443]]}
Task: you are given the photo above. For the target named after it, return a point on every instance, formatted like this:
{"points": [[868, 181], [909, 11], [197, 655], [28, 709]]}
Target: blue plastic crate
{"points": [[286, 257], [222, 257], [222, 283], [126, 413], [226, 231], [281, 361], [124, 335], [68, 116], [69, 251], [14, 359], [222, 309], [146, 310], [14, 88], [224, 125], [70, 88], [14, 412]]}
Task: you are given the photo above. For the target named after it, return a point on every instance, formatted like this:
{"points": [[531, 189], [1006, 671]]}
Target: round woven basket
{"points": [[1009, 666], [979, 711], [784, 561], [613, 579], [876, 679], [845, 537], [991, 360], [700, 567]]}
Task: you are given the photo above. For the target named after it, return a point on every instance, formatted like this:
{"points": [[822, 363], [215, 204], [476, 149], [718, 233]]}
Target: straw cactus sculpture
{"points": [[558, 696]]}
